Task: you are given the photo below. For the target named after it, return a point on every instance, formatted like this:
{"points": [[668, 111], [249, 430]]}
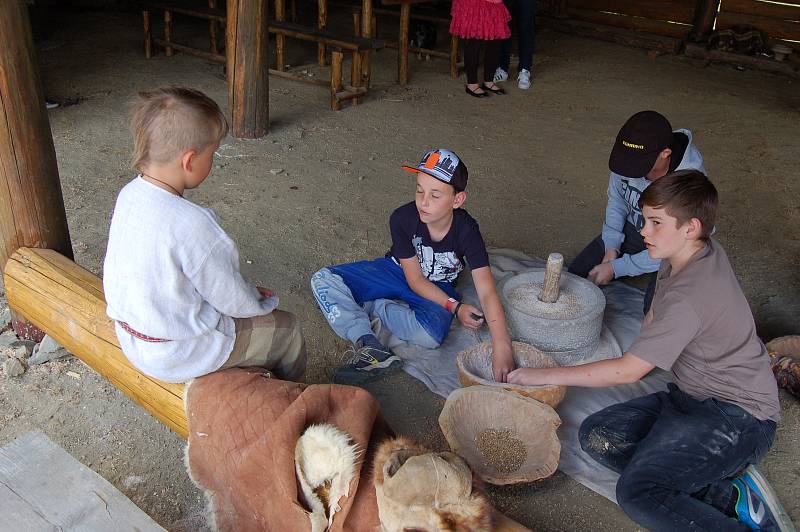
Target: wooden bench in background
{"points": [[358, 47]]}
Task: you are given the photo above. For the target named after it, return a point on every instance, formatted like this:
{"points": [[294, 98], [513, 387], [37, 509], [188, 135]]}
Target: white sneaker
{"points": [[524, 79], [500, 75]]}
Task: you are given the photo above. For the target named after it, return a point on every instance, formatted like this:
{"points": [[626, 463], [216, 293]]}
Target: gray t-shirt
{"points": [[703, 331]]}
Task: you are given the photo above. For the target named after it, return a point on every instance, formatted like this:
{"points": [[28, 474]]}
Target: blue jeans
{"points": [[675, 455], [522, 15], [347, 294]]}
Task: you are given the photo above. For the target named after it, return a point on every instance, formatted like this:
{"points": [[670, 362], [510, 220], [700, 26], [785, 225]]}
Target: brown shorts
{"points": [[273, 341]]}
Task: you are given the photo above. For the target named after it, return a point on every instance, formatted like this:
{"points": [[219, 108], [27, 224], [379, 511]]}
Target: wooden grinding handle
{"points": [[552, 279]]}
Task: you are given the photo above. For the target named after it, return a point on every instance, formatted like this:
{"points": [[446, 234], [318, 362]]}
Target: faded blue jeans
{"points": [[349, 293], [675, 455]]}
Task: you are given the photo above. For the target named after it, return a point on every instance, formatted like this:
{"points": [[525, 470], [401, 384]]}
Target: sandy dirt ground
{"points": [[319, 188]]}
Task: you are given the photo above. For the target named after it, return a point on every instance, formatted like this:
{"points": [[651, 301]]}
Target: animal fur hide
{"points": [[421, 490], [243, 433]]}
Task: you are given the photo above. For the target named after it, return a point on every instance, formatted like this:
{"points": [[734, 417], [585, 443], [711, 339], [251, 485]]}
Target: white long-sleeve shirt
{"points": [[172, 273]]}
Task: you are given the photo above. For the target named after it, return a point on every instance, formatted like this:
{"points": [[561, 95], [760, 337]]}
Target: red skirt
{"points": [[480, 19]]}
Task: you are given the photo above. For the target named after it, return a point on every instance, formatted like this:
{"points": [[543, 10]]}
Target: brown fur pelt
{"points": [[741, 39], [419, 490]]}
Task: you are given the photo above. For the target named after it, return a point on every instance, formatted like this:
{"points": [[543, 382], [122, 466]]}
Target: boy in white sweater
{"points": [[171, 274]]}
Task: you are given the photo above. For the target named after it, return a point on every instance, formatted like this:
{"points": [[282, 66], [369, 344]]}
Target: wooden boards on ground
{"points": [[42, 487]]}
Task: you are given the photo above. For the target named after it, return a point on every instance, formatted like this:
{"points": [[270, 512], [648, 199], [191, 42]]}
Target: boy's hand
{"points": [[470, 317], [266, 292], [527, 377], [601, 274], [610, 255], [502, 363]]}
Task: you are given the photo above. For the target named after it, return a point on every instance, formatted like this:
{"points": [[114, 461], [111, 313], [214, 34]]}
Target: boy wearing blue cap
{"points": [[411, 289]]}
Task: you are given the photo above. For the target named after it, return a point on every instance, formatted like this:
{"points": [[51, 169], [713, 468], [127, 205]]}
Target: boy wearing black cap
{"points": [[411, 290], [645, 149]]}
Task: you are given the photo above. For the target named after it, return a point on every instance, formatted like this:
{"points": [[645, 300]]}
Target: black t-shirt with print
{"points": [[443, 260]]}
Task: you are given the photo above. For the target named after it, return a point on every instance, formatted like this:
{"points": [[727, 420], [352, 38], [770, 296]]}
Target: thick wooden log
{"points": [[31, 204], [640, 39], [551, 287], [247, 49], [704, 16], [67, 302], [454, 56], [148, 34], [280, 39], [168, 32], [674, 10], [637, 24], [322, 23], [402, 48], [336, 77]]}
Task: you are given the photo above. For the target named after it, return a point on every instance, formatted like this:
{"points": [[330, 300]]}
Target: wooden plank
{"points": [[191, 9], [311, 34], [765, 9], [675, 10], [42, 487], [622, 36], [757, 63], [655, 27], [67, 302], [217, 58], [774, 28]]}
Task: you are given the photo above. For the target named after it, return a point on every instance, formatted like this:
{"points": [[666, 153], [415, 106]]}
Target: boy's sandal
{"points": [[476, 94], [496, 90]]}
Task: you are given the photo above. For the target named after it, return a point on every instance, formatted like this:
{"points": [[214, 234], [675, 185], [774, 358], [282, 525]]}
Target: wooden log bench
{"points": [[358, 47], [67, 302]]}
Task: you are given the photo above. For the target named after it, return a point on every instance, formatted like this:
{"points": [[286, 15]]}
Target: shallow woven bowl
{"points": [[470, 411], [785, 346], [475, 368]]}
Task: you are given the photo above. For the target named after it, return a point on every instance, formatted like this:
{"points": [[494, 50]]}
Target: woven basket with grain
{"points": [[504, 437], [475, 368]]}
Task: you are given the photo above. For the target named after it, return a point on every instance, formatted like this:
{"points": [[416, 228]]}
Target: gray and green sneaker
{"points": [[757, 505], [366, 364]]}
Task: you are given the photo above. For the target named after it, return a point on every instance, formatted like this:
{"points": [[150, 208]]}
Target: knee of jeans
{"points": [[426, 340], [630, 491], [591, 434], [318, 276]]}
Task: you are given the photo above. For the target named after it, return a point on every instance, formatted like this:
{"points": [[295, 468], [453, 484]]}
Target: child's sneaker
{"points": [[366, 364], [524, 79], [500, 75], [757, 505]]}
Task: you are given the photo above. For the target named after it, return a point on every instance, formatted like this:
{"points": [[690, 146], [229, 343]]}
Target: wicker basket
{"points": [[475, 368], [471, 412]]}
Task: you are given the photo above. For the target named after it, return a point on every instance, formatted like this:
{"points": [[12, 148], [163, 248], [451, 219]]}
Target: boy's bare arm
{"points": [[625, 370], [502, 354], [424, 288]]}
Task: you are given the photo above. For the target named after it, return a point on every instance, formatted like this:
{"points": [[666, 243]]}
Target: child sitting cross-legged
{"points": [[171, 274], [411, 289], [685, 455]]}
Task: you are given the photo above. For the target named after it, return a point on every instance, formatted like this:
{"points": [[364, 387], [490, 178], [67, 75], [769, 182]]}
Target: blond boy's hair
{"points": [[168, 121]]}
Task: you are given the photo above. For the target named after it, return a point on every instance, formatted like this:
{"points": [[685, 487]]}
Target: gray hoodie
{"points": [[623, 205]]}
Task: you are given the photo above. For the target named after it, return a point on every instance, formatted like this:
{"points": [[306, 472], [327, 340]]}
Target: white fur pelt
{"points": [[325, 460]]}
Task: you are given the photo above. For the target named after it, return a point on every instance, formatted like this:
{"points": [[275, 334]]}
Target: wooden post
{"points": [[280, 39], [31, 205], [453, 56], [168, 32], [402, 45], [356, 79], [322, 23], [336, 77], [552, 279], [212, 29], [148, 34], [247, 49], [367, 30], [705, 13]]}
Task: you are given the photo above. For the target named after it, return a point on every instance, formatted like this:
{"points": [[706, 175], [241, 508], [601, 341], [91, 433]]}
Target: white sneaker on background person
{"points": [[500, 75], [523, 79]]}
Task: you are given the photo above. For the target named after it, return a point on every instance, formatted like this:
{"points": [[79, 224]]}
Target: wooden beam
{"points": [[67, 302], [247, 49], [31, 204]]}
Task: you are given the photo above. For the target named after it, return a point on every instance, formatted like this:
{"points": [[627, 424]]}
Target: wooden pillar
{"points": [[402, 45], [31, 205], [705, 13], [280, 40], [322, 23], [247, 49]]}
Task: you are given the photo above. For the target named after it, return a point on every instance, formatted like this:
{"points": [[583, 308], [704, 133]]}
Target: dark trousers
{"points": [[491, 56], [592, 255], [674, 455], [523, 13]]}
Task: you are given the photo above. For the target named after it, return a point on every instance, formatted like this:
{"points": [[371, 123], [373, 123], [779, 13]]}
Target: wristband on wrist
{"points": [[457, 307], [450, 305]]}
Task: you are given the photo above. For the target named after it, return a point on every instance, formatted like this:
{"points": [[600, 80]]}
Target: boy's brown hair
{"points": [[168, 121], [685, 194]]}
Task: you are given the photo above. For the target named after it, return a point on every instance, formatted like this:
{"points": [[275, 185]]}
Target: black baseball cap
{"points": [[638, 143], [445, 166]]}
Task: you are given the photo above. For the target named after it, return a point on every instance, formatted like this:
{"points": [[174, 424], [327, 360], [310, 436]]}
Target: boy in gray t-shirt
{"points": [[680, 453]]}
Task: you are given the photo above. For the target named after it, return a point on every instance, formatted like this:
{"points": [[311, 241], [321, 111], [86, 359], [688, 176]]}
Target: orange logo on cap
{"points": [[430, 164]]}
